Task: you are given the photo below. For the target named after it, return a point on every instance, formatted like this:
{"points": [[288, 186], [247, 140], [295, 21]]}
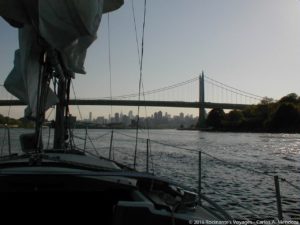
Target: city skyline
{"points": [[131, 115], [129, 120]]}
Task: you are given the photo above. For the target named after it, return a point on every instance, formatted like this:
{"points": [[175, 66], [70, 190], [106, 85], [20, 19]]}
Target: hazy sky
{"points": [[253, 45]]}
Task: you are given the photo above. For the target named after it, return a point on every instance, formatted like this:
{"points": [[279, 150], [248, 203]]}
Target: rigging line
{"points": [[67, 115], [290, 183], [110, 80], [139, 59], [137, 44], [132, 137], [151, 156], [146, 113], [216, 158], [80, 115], [205, 153], [74, 93], [92, 143], [109, 65], [136, 36], [75, 97], [140, 81], [95, 138]]}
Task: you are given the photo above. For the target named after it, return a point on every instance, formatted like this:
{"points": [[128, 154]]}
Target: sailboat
{"points": [[54, 37]]}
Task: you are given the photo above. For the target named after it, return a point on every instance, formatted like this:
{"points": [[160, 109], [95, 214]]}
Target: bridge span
{"points": [[107, 102]]}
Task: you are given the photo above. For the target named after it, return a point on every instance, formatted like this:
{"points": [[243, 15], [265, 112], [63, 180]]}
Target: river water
{"points": [[237, 168]]}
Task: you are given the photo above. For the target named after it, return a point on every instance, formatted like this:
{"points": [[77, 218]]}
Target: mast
{"points": [[62, 110], [40, 106], [45, 76], [59, 132], [52, 67]]}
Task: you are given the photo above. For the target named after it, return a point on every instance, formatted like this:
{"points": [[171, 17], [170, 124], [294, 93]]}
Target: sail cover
{"points": [[69, 26]]}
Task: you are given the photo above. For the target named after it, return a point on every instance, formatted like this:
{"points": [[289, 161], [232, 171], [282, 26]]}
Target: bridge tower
{"points": [[201, 121]]}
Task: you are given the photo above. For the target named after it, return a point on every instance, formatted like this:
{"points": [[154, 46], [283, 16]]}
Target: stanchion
{"points": [[111, 142], [8, 139], [199, 179], [147, 159], [85, 139], [278, 198]]}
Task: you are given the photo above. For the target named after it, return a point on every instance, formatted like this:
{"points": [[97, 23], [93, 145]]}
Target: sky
{"points": [[253, 45]]}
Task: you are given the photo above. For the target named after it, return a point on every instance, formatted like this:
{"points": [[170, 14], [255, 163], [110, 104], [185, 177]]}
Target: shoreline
{"points": [[211, 130]]}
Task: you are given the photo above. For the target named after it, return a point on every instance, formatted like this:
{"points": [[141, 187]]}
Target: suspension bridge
{"points": [[200, 92]]}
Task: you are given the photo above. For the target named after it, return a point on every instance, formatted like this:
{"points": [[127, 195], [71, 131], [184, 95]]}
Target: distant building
{"points": [[90, 116], [72, 121], [160, 115], [100, 120], [117, 117], [181, 115], [130, 115], [125, 120], [167, 116]]}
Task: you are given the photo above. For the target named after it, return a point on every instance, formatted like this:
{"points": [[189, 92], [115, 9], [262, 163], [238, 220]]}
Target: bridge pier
{"points": [[201, 122]]}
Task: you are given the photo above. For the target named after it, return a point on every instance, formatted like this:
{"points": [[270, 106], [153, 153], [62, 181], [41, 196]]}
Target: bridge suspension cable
{"points": [[235, 92], [158, 89], [232, 89]]}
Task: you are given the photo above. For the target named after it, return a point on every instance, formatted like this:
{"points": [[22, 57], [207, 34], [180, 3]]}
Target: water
{"points": [[243, 193]]}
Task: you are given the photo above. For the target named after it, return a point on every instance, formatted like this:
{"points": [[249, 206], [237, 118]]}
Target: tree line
{"points": [[267, 116], [22, 122]]}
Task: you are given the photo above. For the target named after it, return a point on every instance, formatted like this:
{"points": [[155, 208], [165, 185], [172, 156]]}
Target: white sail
{"points": [[69, 26], [22, 81]]}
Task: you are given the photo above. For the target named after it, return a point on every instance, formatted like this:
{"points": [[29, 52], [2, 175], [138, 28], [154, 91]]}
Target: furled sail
{"points": [[68, 26]]}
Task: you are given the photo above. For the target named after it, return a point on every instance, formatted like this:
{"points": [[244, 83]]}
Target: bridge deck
{"points": [[176, 104]]}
